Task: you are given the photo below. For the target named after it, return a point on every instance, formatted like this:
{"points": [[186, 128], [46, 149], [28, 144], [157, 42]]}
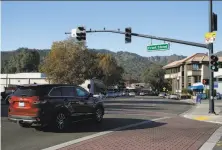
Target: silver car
{"points": [[174, 96], [162, 95]]}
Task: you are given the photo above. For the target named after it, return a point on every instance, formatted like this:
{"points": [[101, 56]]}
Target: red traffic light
{"points": [[205, 81]]}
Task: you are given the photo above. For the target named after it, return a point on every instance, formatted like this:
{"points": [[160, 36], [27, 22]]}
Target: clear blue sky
{"points": [[38, 24]]}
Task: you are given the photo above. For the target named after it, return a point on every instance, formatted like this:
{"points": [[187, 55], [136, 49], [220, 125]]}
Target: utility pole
{"points": [[211, 99]]}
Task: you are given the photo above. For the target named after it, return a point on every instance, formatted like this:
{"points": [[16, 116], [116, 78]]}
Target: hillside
{"points": [[132, 63], [219, 53]]}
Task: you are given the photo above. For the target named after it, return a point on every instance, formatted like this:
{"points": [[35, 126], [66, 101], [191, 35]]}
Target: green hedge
{"points": [[187, 91], [207, 91]]}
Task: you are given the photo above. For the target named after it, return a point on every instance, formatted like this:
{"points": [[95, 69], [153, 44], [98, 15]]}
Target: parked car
{"points": [[142, 93], [162, 95], [167, 96], [174, 96], [125, 93], [132, 93], [54, 105], [120, 94], [111, 94], [218, 96]]}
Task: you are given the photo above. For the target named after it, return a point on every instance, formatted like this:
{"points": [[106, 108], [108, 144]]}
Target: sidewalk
{"points": [[176, 133], [200, 112]]}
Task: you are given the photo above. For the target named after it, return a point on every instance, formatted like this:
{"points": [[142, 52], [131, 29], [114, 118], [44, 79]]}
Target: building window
{"points": [[189, 79], [197, 79], [189, 67], [196, 67], [168, 71]]}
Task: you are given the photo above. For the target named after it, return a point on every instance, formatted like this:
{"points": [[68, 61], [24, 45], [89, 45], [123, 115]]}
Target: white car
{"points": [[142, 93], [162, 95], [174, 96], [132, 94]]}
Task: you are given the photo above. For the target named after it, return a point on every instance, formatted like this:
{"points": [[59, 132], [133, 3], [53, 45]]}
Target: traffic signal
{"points": [[214, 22], [205, 81], [128, 35], [81, 33], [214, 62]]}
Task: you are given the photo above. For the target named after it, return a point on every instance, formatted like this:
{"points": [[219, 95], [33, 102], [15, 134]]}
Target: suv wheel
{"points": [[99, 114], [61, 121], [25, 125]]}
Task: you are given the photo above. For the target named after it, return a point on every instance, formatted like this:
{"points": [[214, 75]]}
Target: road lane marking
{"points": [[101, 133], [201, 118]]}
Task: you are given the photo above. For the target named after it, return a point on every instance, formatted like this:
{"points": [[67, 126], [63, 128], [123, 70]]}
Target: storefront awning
{"points": [[196, 86]]}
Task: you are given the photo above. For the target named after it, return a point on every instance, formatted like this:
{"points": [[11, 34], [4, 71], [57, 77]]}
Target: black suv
{"points": [[53, 104]]}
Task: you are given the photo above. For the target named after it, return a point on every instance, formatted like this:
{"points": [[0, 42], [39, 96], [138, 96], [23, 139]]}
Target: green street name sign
{"points": [[160, 47]]}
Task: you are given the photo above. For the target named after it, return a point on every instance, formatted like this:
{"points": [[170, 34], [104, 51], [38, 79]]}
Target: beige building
{"points": [[186, 72]]}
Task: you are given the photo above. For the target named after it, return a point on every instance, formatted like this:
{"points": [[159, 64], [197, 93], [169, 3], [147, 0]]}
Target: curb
{"points": [[186, 115], [212, 141]]}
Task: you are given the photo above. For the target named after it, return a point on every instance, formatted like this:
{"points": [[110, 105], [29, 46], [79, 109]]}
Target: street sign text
{"points": [[160, 47]]}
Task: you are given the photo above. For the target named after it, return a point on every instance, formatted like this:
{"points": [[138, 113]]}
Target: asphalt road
{"points": [[119, 112]]}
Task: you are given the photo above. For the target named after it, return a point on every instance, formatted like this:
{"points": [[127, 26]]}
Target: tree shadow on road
{"points": [[108, 124]]}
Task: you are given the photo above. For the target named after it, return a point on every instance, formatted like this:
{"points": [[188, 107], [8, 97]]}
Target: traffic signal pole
{"points": [[207, 46], [210, 46], [152, 37]]}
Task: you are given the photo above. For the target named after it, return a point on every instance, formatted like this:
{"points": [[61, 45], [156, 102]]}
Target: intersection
{"points": [[156, 120]]}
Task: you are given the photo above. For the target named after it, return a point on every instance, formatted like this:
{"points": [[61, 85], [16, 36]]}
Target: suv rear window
{"points": [[30, 91]]}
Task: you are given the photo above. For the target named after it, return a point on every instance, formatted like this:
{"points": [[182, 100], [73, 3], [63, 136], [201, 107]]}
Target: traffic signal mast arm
{"points": [[153, 37]]}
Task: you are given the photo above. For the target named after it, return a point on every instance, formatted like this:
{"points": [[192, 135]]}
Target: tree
{"points": [[155, 77], [110, 71], [68, 62], [71, 62], [23, 60]]}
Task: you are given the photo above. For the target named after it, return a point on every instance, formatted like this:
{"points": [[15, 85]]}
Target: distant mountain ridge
{"points": [[133, 64]]}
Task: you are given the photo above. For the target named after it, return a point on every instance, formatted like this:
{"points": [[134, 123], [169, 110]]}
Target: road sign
{"points": [[160, 47], [215, 84], [210, 37], [210, 34]]}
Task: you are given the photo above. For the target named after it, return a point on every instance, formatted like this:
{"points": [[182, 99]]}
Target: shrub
{"points": [[207, 91]]}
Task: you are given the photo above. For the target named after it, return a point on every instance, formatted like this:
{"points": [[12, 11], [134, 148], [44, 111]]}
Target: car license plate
{"points": [[21, 104]]}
